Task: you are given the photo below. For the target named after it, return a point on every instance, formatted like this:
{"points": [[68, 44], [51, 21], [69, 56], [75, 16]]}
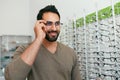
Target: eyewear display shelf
{"points": [[8, 45]]}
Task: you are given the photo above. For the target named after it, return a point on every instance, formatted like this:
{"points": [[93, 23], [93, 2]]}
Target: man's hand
{"points": [[39, 29]]}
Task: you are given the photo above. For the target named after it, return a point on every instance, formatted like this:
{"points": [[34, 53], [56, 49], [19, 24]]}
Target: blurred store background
{"points": [[90, 27]]}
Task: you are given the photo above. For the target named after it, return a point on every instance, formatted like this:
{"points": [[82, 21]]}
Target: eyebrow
{"points": [[52, 21]]}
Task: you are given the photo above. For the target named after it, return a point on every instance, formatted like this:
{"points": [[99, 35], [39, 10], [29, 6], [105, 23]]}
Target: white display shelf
{"points": [[8, 45]]}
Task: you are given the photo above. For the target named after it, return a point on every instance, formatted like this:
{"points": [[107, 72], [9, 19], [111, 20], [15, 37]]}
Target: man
{"points": [[44, 58]]}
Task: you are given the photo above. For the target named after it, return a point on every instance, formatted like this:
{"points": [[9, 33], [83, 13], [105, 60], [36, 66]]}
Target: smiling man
{"points": [[45, 58]]}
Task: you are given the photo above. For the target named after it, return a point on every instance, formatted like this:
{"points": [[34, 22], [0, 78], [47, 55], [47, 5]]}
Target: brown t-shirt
{"points": [[62, 65]]}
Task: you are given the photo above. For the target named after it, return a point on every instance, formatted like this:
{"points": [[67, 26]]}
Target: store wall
{"points": [[14, 17]]}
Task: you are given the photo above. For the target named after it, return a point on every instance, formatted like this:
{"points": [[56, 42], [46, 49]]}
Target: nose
{"points": [[53, 27]]}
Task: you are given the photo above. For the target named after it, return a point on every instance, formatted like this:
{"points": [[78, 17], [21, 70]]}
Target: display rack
{"points": [[97, 43], [9, 43], [0, 56]]}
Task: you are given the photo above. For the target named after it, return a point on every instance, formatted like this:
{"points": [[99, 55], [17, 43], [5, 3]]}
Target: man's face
{"points": [[52, 26]]}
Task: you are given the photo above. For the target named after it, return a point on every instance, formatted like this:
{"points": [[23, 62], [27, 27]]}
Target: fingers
{"points": [[39, 28], [41, 23]]}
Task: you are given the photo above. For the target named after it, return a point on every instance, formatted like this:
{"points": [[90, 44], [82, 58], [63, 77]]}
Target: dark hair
{"points": [[49, 8]]}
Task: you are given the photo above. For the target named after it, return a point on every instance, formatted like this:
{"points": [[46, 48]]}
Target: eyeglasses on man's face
{"points": [[50, 23]]}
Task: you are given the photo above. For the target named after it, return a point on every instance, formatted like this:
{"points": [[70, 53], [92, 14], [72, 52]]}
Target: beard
{"points": [[52, 38]]}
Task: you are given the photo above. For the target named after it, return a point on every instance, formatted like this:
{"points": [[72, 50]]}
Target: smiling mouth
{"points": [[53, 33]]}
